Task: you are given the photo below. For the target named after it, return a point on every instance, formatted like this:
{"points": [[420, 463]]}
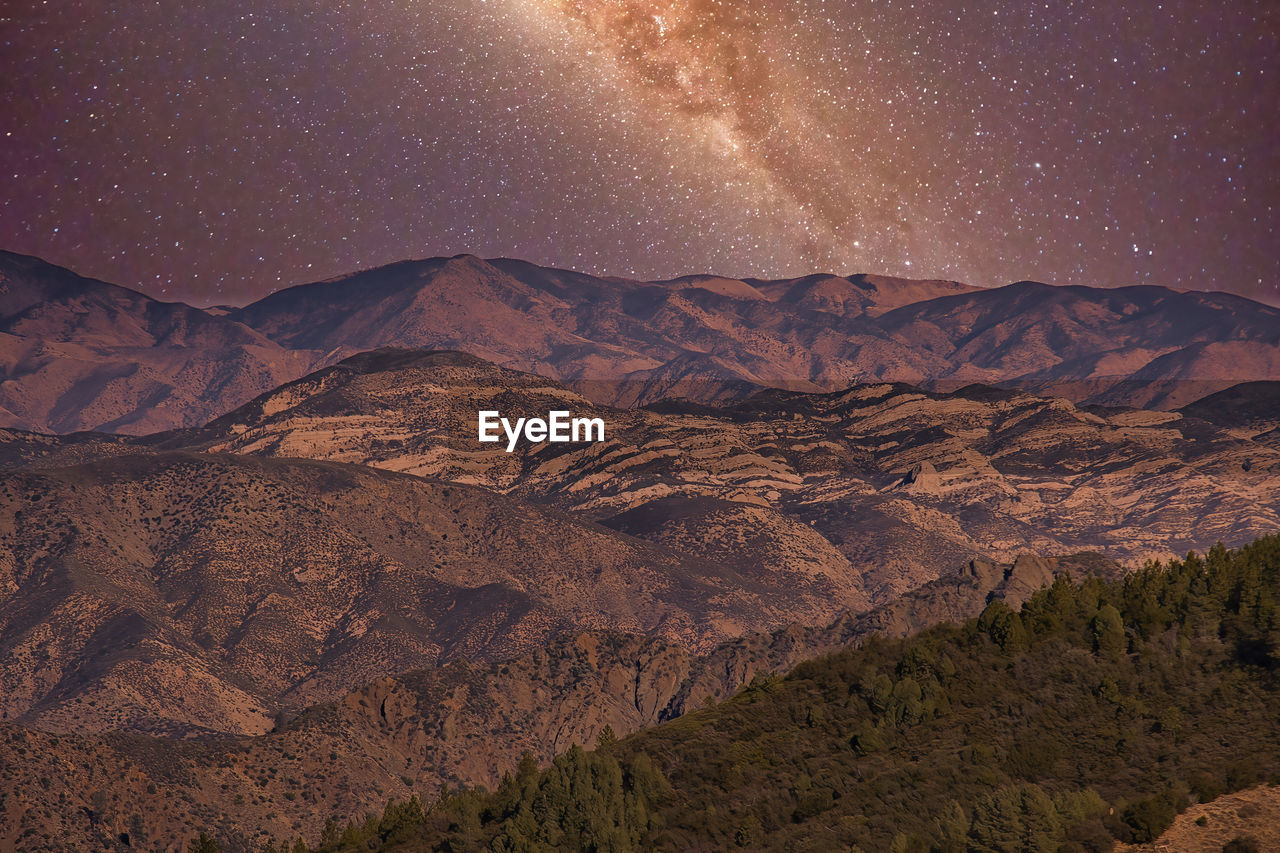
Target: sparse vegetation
{"points": [[1095, 713]]}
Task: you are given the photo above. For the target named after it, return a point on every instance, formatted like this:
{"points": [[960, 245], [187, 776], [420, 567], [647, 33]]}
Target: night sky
{"points": [[216, 151]]}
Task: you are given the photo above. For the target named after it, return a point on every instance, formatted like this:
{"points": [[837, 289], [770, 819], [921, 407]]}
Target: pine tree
{"points": [[203, 844], [1108, 632]]}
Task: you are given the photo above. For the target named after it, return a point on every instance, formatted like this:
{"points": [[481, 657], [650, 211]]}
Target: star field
{"points": [[215, 152]]}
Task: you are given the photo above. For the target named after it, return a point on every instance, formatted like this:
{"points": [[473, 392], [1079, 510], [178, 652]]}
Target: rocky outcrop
{"points": [[922, 479]]}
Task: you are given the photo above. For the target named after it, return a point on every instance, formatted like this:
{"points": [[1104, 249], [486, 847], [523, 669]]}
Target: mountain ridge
{"points": [[1010, 469], [78, 353], [627, 342]]}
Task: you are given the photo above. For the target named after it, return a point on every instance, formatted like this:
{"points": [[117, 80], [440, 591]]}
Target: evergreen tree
{"points": [[203, 844]]}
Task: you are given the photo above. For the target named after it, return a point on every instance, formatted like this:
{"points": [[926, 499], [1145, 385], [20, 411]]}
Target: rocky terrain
{"points": [[887, 483], [184, 594], [460, 724], [216, 562], [210, 584], [80, 354], [1252, 814], [256, 570], [1250, 410]]}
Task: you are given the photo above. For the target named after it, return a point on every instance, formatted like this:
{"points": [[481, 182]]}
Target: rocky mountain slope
{"points": [[883, 482], [260, 581], [183, 593], [789, 466], [461, 724], [1249, 815], [1095, 713], [1250, 410], [216, 563], [79, 354]]}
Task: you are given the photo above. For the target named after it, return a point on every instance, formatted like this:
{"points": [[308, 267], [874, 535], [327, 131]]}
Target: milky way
{"points": [[215, 152], [709, 70]]}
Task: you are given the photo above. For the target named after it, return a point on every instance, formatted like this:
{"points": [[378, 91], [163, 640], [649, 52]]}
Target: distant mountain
{"points": [[608, 335], [873, 488], [77, 354], [1148, 347], [80, 354], [704, 337]]}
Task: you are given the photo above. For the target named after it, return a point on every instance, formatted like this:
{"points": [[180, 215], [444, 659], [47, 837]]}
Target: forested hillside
{"points": [[1095, 713]]}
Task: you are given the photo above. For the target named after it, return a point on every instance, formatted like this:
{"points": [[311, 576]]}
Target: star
{"points": [[215, 153]]}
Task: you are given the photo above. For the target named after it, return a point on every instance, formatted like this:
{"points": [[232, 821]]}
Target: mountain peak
{"points": [[100, 351], [386, 359]]}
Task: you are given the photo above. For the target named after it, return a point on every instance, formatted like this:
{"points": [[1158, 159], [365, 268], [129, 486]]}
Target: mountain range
{"points": [[338, 568], [256, 570], [81, 354]]}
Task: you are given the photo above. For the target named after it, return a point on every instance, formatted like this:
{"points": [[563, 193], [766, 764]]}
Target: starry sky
{"points": [[216, 151]]}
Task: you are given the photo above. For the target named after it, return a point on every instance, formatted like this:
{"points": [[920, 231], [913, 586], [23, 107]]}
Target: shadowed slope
{"points": [[181, 592], [77, 354]]}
